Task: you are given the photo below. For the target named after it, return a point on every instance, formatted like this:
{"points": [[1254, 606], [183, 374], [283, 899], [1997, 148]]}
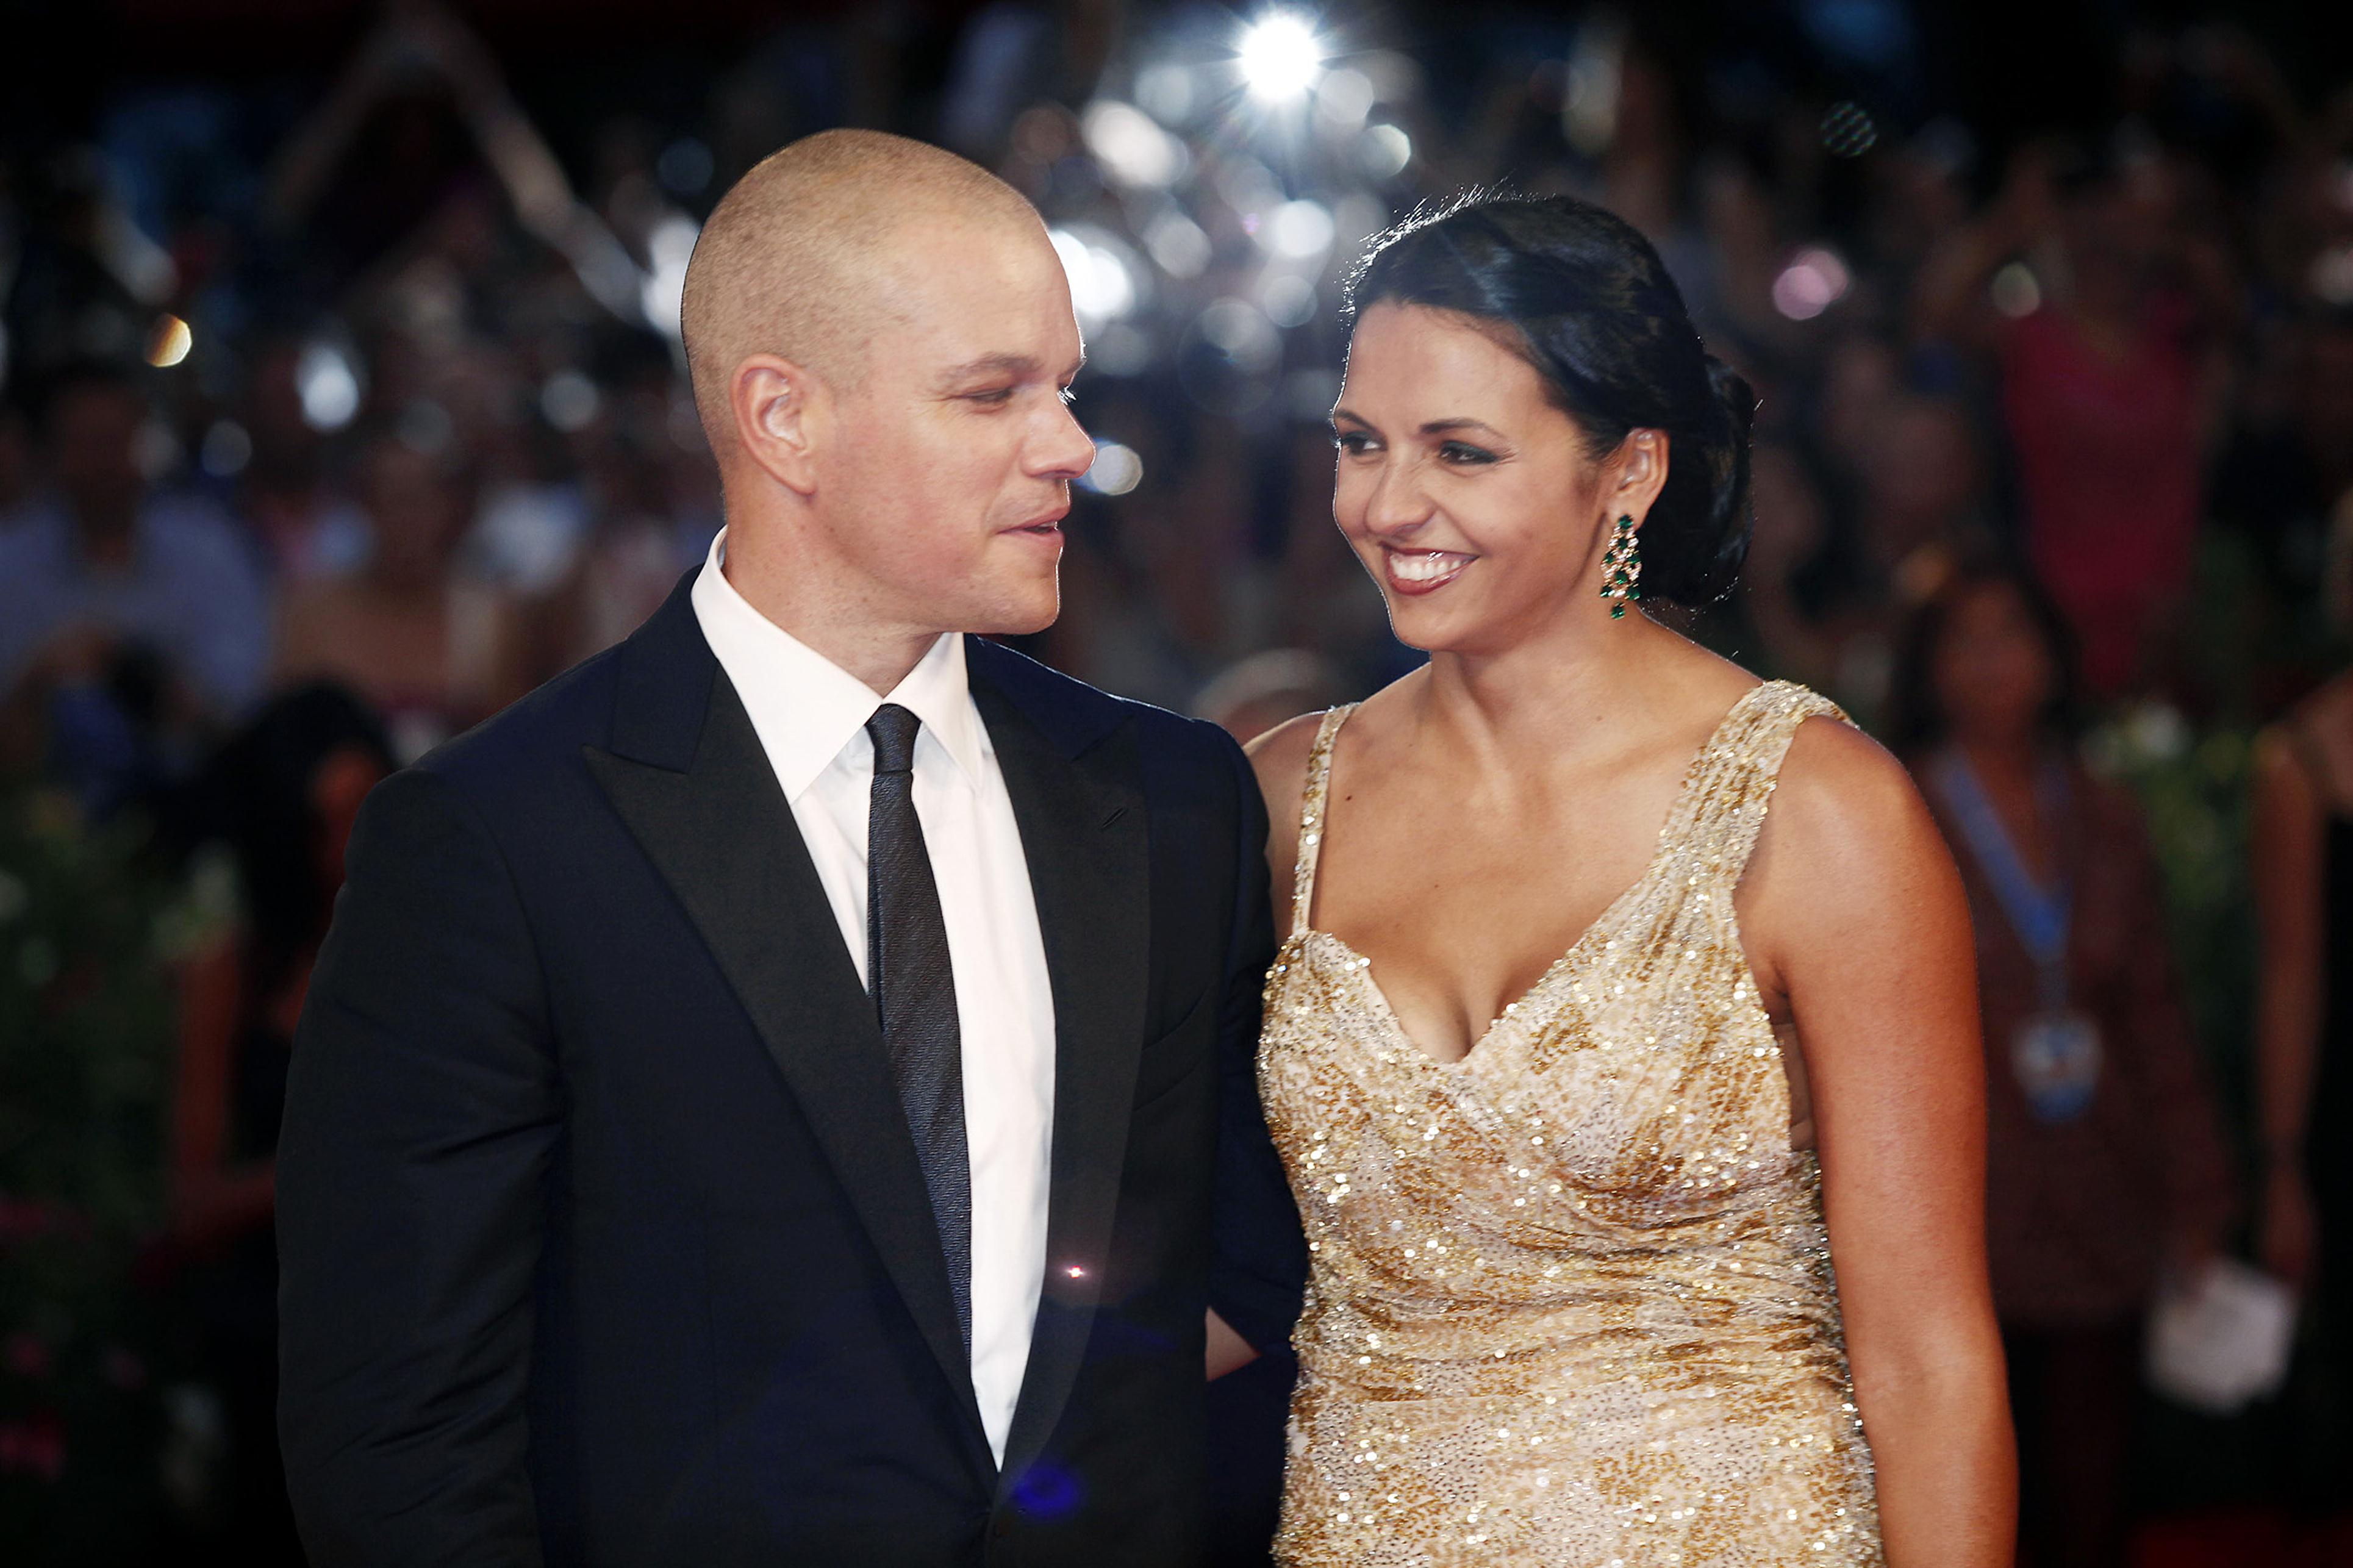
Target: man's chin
{"points": [[1020, 615]]}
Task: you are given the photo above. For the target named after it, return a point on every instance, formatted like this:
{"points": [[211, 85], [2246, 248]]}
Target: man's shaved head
{"points": [[800, 256]]}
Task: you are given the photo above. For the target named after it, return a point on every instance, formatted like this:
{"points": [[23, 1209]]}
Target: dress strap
{"points": [[1310, 815], [1738, 774]]}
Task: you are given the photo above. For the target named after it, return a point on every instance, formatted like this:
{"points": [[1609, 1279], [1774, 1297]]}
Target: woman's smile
{"points": [[1422, 571]]}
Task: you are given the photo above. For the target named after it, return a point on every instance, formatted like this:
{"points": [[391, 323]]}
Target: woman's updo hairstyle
{"points": [[1590, 305]]}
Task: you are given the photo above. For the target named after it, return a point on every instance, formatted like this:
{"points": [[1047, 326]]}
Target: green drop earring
{"points": [[1621, 569]]}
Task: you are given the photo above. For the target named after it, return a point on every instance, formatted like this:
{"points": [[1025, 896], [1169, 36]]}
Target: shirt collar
{"points": [[806, 708]]}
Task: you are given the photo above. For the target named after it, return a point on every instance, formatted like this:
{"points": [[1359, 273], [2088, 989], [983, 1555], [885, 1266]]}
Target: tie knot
{"points": [[893, 729]]}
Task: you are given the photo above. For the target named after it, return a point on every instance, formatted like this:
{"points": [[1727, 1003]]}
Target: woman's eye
{"points": [[1353, 442], [1463, 454]]}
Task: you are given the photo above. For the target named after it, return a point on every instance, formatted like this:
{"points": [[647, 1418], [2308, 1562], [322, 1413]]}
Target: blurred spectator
{"points": [[2302, 852], [419, 117], [287, 489], [1826, 602], [288, 788], [1797, 637], [131, 620], [429, 648], [16, 468], [1253, 695], [2107, 323], [105, 561], [2105, 1162], [647, 528], [2289, 460]]}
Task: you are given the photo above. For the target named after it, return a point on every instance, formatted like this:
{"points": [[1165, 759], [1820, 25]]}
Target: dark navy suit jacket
{"points": [[604, 1240]]}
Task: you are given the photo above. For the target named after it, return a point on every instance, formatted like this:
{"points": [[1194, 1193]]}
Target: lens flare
{"points": [[1815, 279], [168, 342], [328, 385], [1117, 470], [1280, 58]]}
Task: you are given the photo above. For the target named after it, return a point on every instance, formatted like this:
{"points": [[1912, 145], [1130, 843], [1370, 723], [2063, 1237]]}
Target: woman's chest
{"points": [[1585, 1100]]}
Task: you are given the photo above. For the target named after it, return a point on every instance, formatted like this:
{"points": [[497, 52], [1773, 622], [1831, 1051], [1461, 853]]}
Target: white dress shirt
{"points": [[810, 715]]}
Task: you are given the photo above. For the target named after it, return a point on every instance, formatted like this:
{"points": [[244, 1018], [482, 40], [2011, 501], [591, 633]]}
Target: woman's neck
{"points": [[1574, 686]]}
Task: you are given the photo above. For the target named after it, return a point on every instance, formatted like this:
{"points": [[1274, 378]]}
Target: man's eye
{"points": [[994, 398]]}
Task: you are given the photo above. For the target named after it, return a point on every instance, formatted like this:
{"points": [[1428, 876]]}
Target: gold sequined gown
{"points": [[1571, 1299]]}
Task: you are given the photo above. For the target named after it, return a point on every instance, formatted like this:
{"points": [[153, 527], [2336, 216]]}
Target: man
{"points": [[108, 563], [130, 621], [764, 1095]]}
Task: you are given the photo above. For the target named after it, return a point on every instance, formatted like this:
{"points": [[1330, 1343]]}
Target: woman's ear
{"points": [[1637, 473]]}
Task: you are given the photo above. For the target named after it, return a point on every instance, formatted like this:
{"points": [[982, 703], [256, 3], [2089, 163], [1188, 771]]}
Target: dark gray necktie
{"points": [[907, 969]]}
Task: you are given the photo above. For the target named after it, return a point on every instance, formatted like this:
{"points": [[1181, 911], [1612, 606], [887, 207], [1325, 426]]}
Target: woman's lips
{"points": [[1416, 571]]}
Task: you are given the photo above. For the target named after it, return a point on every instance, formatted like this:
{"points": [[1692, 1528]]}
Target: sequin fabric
{"points": [[1571, 1299]]}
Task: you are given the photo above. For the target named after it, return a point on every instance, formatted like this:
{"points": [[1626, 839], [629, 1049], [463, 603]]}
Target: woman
{"points": [[289, 788], [2303, 863], [1550, 1078], [2106, 1162], [2109, 382], [429, 648]]}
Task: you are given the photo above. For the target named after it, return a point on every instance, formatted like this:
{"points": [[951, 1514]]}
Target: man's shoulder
{"points": [[1071, 709], [535, 741]]}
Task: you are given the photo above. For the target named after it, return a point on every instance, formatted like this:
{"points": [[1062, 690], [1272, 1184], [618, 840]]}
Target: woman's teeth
{"points": [[1425, 566]]}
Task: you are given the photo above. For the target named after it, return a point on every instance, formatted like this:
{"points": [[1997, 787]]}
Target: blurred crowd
{"points": [[340, 406]]}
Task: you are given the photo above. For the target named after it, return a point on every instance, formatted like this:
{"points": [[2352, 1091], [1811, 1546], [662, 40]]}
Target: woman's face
{"points": [[1463, 490], [1993, 672]]}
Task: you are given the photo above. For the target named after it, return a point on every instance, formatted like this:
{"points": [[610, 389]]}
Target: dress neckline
{"points": [[1315, 819]]}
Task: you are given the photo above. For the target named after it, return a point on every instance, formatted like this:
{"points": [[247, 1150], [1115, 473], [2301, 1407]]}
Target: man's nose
{"points": [[1063, 450]]}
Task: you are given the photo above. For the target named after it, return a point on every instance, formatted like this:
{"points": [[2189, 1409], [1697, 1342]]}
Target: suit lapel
{"points": [[1084, 833], [722, 834]]}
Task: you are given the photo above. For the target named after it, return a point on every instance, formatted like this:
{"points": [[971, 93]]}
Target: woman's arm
{"points": [[209, 1200], [1862, 928], [2286, 853], [1948, 301], [1229, 1351]]}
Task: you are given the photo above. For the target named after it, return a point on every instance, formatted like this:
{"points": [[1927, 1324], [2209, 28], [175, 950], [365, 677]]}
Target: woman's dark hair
{"points": [[1915, 721], [261, 784], [1591, 306]]}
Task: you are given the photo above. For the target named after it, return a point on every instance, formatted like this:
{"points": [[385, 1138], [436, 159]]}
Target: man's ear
{"points": [[1641, 470], [782, 410]]}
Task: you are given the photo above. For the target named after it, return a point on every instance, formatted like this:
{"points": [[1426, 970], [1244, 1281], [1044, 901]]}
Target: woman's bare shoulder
{"points": [[1279, 757], [1847, 825], [1840, 787]]}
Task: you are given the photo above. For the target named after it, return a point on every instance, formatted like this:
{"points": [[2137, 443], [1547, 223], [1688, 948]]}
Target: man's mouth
{"points": [[1044, 522]]}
